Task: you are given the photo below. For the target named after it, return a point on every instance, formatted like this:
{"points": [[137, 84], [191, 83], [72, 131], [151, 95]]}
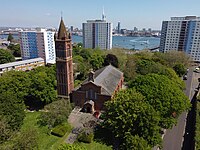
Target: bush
{"points": [[61, 129], [86, 136], [71, 147], [197, 127], [55, 113]]}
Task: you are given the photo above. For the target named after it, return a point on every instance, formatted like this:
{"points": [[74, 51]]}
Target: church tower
{"points": [[64, 67]]}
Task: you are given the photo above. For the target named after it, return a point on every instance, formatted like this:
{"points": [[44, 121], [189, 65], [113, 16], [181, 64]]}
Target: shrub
{"points": [[61, 129], [71, 147], [86, 136]]}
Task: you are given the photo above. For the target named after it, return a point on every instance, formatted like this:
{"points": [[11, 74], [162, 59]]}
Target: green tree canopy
{"points": [[55, 113], [12, 110], [96, 61], [15, 49], [43, 86], [180, 69], [173, 57], [27, 140], [135, 143], [128, 112], [164, 95], [111, 59], [144, 67], [6, 56], [10, 37], [17, 82]]}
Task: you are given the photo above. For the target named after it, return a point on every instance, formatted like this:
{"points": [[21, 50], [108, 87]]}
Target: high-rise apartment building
{"points": [[97, 34], [39, 43], [118, 28], [181, 34]]}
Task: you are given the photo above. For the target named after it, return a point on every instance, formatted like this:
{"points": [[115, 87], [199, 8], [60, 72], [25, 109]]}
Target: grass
{"points": [[197, 131], [94, 146], [45, 139]]}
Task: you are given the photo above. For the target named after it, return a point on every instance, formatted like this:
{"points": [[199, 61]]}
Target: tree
{"points": [[179, 69], [17, 82], [43, 87], [96, 61], [5, 130], [10, 37], [111, 59], [144, 67], [135, 143], [27, 140], [6, 56], [55, 113], [163, 95], [15, 49], [128, 112], [173, 57], [12, 110], [130, 67]]}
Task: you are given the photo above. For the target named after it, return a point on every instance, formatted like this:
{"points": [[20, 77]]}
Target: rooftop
{"points": [[18, 63], [108, 78]]}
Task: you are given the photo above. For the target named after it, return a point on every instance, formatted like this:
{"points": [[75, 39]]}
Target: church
{"points": [[100, 86]]}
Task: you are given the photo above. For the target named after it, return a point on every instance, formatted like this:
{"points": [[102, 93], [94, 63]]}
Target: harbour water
{"points": [[126, 42]]}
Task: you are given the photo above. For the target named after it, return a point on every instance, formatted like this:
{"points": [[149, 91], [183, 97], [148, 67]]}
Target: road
{"points": [[173, 139]]}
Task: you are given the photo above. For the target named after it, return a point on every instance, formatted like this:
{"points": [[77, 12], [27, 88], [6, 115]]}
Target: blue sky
{"points": [[139, 13]]}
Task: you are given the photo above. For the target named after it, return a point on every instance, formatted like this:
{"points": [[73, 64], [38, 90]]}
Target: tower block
{"points": [[64, 66]]}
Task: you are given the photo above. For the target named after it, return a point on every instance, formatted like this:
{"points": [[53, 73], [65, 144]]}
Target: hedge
{"points": [[86, 137], [61, 129]]}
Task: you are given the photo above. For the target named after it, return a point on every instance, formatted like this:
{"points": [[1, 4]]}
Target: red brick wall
{"points": [[79, 96]]}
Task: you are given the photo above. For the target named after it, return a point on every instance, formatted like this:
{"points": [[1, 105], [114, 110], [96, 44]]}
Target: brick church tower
{"points": [[64, 67]]}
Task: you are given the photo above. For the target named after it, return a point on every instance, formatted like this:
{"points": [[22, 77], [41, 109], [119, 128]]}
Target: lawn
{"points": [[94, 146], [45, 139]]}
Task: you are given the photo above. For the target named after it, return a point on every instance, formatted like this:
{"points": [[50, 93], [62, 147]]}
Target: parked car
{"points": [[185, 77]]}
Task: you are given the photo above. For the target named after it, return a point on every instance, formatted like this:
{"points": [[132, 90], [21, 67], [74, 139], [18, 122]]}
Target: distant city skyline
{"points": [[137, 13]]}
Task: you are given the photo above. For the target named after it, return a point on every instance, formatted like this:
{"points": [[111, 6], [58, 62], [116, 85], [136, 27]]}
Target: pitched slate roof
{"points": [[108, 78], [62, 32]]}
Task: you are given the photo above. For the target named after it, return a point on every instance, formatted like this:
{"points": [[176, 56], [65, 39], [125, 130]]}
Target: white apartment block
{"points": [[39, 43], [181, 34], [97, 34]]}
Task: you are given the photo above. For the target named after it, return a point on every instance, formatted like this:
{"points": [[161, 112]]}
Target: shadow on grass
{"points": [[103, 135]]}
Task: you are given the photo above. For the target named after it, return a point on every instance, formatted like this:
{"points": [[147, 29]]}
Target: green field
{"points": [[46, 141], [94, 146]]}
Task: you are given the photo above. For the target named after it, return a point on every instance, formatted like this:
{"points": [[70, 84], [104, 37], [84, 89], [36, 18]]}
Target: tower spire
{"points": [[61, 15], [103, 15], [62, 32]]}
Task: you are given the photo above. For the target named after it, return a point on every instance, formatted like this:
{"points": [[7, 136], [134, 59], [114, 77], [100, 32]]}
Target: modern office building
{"points": [[181, 34], [97, 34], [38, 43]]}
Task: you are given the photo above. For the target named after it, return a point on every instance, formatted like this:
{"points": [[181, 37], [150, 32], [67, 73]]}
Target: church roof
{"points": [[62, 32], [108, 78]]}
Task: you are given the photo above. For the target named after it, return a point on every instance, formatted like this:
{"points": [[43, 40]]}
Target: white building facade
{"points": [[97, 34], [39, 43], [181, 34]]}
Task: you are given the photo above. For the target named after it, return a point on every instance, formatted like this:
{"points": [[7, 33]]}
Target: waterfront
{"points": [[129, 42], [119, 41]]}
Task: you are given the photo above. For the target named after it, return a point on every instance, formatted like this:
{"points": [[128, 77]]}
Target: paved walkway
{"points": [[78, 120]]}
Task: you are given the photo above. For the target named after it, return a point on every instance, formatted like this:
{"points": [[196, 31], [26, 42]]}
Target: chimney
{"points": [[91, 76]]}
